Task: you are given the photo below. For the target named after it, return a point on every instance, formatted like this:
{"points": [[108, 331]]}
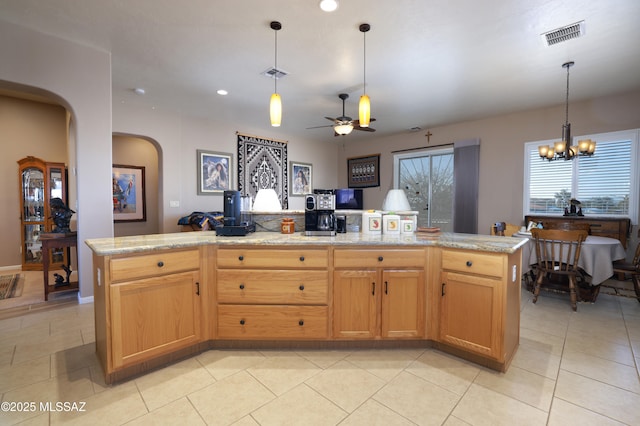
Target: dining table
{"points": [[596, 256]]}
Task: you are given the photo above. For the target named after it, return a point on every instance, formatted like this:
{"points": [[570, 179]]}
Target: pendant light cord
{"points": [[364, 68], [275, 74], [566, 110]]}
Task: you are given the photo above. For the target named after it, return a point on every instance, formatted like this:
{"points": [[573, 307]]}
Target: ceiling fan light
{"points": [[275, 110], [343, 129], [364, 111]]}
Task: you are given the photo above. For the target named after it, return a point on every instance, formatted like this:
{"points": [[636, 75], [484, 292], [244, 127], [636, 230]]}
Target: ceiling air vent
{"points": [[565, 33], [274, 73]]}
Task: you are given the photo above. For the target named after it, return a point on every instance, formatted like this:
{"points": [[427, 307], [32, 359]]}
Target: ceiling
{"points": [[428, 63]]}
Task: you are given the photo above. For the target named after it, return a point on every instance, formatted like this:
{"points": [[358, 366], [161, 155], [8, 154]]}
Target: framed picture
{"points": [[364, 172], [214, 172], [301, 178], [129, 202]]}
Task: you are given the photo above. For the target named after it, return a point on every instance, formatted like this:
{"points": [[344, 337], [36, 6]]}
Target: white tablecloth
{"points": [[596, 256]]}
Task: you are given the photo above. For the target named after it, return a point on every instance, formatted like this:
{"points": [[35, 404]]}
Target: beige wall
{"points": [[502, 142], [27, 128]]}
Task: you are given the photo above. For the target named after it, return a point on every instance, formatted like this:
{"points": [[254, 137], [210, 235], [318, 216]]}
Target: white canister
{"points": [[406, 226], [391, 224], [371, 222]]}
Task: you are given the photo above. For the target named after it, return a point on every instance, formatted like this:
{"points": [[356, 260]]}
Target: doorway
{"points": [[426, 176]]}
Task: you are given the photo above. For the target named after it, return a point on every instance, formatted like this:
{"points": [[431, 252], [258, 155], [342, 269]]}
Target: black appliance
{"points": [[319, 217], [233, 225], [349, 199]]}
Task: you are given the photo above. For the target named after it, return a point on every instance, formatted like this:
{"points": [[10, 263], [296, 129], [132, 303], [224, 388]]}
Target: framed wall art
{"points": [[263, 164], [214, 172], [129, 203], [301, 178], [364, 172]]}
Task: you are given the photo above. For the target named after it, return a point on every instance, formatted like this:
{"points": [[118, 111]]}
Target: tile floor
{"points": [[570, 369]]}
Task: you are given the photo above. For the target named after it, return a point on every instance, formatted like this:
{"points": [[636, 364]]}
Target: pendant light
{"points": [[364, 108], [563, 149], [275, 106]]}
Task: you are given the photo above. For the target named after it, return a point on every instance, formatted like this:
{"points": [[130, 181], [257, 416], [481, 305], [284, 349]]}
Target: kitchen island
{"points": [[160, 298]]}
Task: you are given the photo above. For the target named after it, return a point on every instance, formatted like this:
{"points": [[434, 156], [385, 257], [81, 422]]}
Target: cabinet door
{"points": [[356, 295], [470, 313], [154, 316], [403, 303]]}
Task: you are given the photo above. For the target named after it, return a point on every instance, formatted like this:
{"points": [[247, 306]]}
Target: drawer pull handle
{"points": [[373, 288], [301, 287], [442, 290], [380, 258], [301, 322], [160, 264], [301, 258], [386, 287], [241, 322], [197, 289], [469, 263], [241, 286], [240, 258]]}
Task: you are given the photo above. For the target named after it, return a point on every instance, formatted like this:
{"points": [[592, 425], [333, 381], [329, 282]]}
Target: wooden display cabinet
{"points": [[39, 181], [379, 293]]}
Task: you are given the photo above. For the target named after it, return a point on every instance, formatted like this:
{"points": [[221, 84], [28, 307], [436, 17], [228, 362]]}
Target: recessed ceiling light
{"points": [[139, 91], [328, 5], [222, 92]]}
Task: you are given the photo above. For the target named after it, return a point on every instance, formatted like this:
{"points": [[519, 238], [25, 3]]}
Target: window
{"points": [[605, 184], [427, 179]]}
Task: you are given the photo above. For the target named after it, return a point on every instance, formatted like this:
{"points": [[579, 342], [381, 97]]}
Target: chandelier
{"points": [[563, 148]]}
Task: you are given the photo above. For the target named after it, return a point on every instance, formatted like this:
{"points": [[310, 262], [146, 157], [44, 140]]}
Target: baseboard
{"points": [[10, 268], [82, 300]]}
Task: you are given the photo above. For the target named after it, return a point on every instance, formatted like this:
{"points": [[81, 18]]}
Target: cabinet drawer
{"points": [[272, 322], [474, 263], [160, 263], [372, 258], [272, 287], [248, 258]]}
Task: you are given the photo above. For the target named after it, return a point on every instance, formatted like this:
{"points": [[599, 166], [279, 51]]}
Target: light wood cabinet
{"points": [[146, 306], [478, 291], [379, 293], [272, 293]]}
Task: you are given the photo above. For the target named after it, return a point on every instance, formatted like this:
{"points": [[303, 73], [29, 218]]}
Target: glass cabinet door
{"points": [[33, 195]]}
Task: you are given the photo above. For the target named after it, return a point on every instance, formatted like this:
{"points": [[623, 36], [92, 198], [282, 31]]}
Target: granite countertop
{"points": [[141, 243]]}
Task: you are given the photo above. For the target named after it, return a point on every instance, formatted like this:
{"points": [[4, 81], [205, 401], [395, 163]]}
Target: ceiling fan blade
{"points": [[364, 129], [330, 119], [357, 122], [318, 127]]}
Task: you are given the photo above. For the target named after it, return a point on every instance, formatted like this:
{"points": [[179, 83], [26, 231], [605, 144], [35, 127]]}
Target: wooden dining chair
{"points": [[558, 253], [633, 269]]}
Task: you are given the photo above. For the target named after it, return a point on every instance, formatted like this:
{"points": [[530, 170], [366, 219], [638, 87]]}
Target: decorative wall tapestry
{"points": [[262, 164]]}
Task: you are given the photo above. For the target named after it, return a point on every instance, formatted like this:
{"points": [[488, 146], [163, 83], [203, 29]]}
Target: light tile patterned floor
{"points": [[570, 369]]}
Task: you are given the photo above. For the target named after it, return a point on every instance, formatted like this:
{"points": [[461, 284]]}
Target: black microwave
{"points": [[349, 199]]}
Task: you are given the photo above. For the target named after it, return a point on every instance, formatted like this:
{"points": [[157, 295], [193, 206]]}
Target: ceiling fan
{"points": [[343, 125]]}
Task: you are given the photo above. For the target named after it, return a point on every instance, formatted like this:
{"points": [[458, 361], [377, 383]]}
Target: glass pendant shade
{"points": [[275, 110], [364, 111], [343, 129]]}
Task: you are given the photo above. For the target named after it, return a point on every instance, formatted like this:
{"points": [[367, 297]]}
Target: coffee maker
{"points": [[319, 217], [233, 223]]}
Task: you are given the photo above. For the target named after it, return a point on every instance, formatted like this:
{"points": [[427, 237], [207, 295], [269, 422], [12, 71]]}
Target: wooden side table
{"points": [[50, 241]]}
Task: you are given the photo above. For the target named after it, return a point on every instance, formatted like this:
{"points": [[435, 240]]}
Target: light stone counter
{"points": [[141, 243]]}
